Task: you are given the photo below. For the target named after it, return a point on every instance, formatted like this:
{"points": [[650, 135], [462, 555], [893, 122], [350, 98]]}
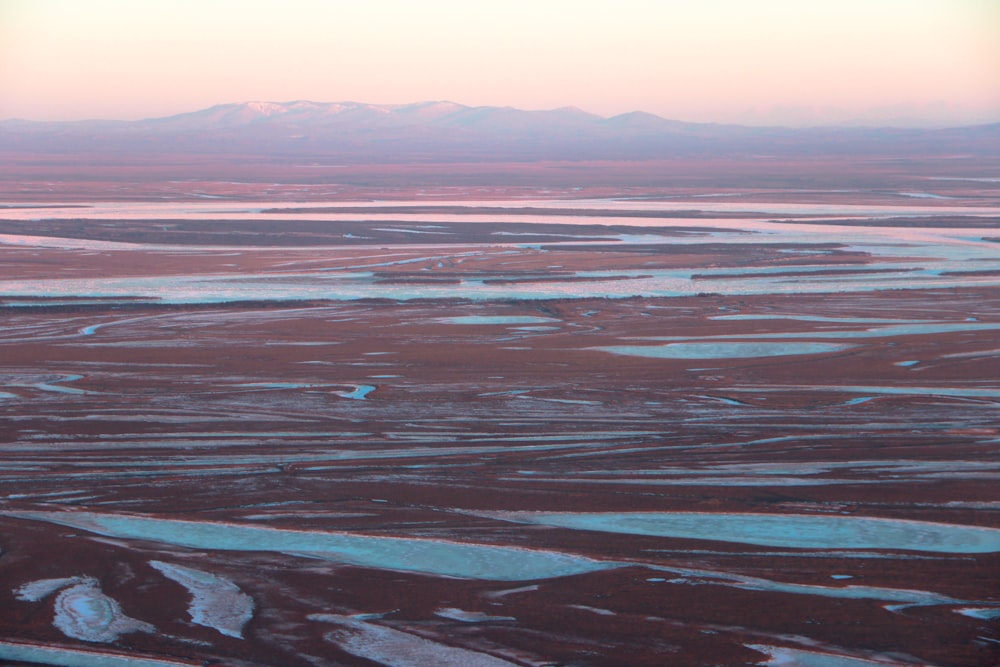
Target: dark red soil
{"points": [[181, 382], [237, 413]]}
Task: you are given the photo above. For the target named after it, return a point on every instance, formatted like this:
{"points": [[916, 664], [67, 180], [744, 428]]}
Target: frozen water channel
{"points": [[780, 530], [901, 258], [438, 557]]}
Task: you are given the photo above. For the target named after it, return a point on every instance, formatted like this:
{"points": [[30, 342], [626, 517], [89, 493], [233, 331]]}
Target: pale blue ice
{"points": [[427, 556], [53, 386], [496, 319], [903, 596], [818, 318], [722, 350], [927, 327], [781, 530], [859, 400], [360, 392], [790, 657], [958, 392], [65, 657], [984, 613], [346, 287]]}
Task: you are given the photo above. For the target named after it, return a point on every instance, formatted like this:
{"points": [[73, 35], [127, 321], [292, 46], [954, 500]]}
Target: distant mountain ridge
{"points": [[439, 131], [433, 114]]}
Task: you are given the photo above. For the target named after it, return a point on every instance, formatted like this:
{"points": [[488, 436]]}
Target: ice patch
{"points": [[56, 385], [359, 393], [923, 195], [958, 392], [454, 614], [918, 329], [395, 648], [216, 602], [428, 556], [406, 231], [782, 530], [84, 612], [593, 610], [65, 657], [859, 400], [39, 590], [904, 597], [793, 657], [818, 318], [513, 591], [495, 319], [722, 350], [984, 613]]}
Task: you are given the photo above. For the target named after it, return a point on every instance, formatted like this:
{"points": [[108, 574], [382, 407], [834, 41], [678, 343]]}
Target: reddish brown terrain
{"points": [[461, 434]]}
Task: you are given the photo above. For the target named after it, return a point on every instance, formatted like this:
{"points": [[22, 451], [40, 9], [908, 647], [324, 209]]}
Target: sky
{"points": [[797, 62]]}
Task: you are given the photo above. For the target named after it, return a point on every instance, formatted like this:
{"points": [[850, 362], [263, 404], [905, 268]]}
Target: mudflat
{"points": [[571, 429]]}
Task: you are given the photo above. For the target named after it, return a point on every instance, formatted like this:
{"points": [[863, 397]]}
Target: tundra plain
{"points": [[691, 412]]}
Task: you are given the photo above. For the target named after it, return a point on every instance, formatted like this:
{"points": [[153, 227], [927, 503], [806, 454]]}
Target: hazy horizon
{"points": [[774, 62], [793, 117]]}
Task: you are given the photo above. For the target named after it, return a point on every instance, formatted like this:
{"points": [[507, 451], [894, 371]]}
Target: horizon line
{"points": [[913, 123]]}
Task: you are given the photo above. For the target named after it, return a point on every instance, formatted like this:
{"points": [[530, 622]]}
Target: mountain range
{"points": [[352, 132]]}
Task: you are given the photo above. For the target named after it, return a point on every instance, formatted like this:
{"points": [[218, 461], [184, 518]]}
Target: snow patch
{"points": [[84, 612], [793, 657], [455, 614], [35, 591], [395, 648], [216, 602]]}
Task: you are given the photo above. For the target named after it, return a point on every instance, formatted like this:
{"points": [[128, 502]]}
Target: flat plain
{"points": [[746, 418]]}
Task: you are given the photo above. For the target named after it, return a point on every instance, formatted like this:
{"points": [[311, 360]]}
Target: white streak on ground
{"points": [[593, 610], [957, 392], [984, 613], [35, 591], [513, 591], [905, 597], [216, 602], [722, 350], [395, 648], [455, 614]]}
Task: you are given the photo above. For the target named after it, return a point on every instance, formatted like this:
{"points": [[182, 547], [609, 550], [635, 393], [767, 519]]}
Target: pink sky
{"points": [[760, 61]]}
